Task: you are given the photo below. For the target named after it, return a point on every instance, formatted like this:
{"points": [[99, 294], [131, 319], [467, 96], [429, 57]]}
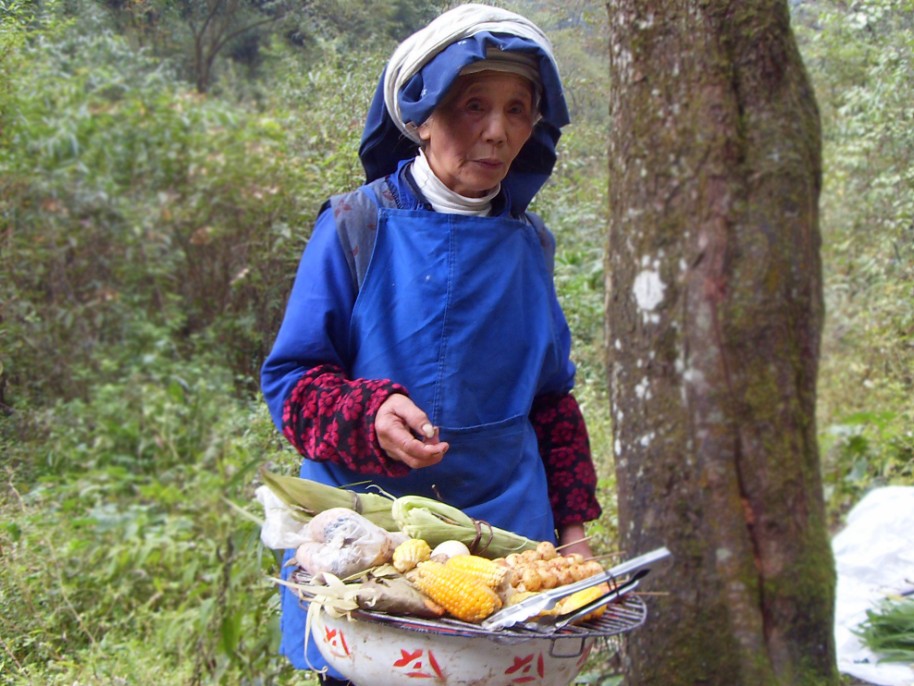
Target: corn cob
{"points": [[485, 571], [578, 600], [307, 498], [518, 596], [435, 522], [456, 591], [410, 553]]}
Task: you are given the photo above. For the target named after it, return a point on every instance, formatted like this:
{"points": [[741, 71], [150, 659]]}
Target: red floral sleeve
{"points": [[329, 418], [565, 449]]}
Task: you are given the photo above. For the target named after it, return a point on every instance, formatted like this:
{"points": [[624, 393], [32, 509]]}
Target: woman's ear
{"points": [[424, 131]]}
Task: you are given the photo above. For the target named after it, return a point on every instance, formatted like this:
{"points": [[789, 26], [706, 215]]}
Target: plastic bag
{"points": [[874, 557], [281, 530], [342, 542]]}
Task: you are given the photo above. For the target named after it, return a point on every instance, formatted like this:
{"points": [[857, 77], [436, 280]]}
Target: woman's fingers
{"points": [[399, 424]]}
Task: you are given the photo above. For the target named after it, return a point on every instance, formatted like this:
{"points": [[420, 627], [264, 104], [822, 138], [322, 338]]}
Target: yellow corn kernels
{"points": [[410, 553], [456, 591], [519, 596], [482, 569], [578, 600]]}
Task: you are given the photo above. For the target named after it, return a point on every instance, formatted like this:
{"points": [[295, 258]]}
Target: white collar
{"points": [[442, 198]]}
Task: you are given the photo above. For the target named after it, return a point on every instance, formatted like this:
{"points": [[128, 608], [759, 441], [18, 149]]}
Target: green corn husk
{"points": [[889, 630], [307, 498], [436, 522]]}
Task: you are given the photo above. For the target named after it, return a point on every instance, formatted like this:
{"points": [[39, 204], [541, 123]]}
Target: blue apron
{"points": [[457, 310]]}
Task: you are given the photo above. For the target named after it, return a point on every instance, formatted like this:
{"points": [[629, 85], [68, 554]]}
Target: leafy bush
{"points": [[127, 538], [150, 236], [131, 199], [866, 450], [861, 64]]}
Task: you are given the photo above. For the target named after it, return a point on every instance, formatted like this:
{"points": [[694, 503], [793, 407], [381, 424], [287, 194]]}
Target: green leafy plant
{"points": [[889, 630], [866, 450], [127, 536], [859, 57]]}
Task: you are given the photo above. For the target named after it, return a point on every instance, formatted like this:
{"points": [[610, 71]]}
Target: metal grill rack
{"points": [[620, 617], [624, 615]]}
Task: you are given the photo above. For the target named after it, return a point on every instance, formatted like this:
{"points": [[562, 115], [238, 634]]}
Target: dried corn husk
{"points": [[307, 498], [381, 589], [330, 592], [396, 597], [436, 522]]}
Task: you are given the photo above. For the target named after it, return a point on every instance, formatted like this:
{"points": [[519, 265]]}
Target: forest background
{"points": [[158, 180]]}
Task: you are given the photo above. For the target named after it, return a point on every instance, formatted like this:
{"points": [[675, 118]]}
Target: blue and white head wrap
{"points": [[425, 65]]}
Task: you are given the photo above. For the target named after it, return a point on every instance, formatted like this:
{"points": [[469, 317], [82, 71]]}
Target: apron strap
{"points": [[356, 217], [547, 240]]}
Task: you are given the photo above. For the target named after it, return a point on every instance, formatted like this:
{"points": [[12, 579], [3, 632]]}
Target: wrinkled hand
{"points": [[398, 423]]}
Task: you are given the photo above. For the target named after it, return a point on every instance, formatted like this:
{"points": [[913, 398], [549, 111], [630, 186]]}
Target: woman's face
{"points": [[472, 137]]}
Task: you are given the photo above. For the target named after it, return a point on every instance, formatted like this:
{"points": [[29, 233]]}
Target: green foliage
{"points": [[14, 19], [210, 40], [866, 450], [125, 537], [860, 59], [574, 207], [889, 630], [382, 25], [129, 199], [149, 240]]}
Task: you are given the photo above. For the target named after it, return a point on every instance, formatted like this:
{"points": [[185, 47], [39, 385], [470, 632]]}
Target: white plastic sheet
{"points": [[874, 557]]}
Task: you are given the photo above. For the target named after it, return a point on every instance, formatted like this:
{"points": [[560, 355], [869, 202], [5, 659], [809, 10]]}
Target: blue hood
{"points": [[383, 145]]}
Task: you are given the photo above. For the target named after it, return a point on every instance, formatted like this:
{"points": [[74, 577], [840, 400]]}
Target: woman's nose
{"points": [[495, 130]]}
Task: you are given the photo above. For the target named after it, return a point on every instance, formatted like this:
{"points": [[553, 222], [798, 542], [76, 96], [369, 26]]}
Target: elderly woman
{"points": [[423, 348]]}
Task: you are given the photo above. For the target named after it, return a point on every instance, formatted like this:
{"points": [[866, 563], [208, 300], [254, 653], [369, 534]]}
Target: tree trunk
{"points": [[714, 310]]}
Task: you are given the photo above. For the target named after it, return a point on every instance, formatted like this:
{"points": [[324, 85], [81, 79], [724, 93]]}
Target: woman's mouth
{"points": [[490, 163]]}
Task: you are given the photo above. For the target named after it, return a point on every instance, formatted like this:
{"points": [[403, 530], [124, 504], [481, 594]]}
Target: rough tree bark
{"points": [[714, 310]]}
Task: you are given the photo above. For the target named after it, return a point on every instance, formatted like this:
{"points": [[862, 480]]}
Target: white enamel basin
{"points": [[371, 653]]}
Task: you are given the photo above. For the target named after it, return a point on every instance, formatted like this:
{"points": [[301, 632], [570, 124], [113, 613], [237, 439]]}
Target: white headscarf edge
{"points": [[461, 22]]}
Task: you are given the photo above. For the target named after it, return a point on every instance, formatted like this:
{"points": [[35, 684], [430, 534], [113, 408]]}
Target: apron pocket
{"points": [[482, 460]]}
